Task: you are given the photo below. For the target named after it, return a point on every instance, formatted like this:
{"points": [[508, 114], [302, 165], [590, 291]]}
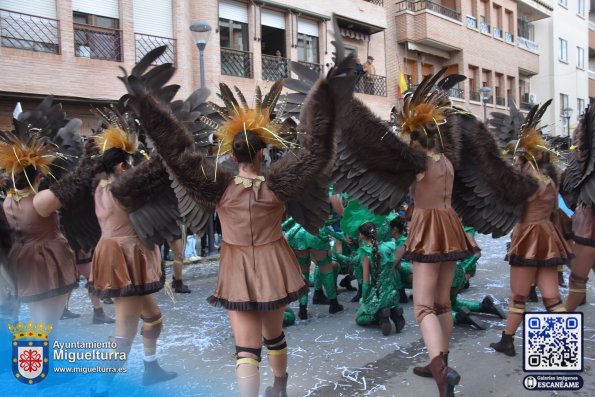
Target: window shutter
{"points": [[273, 19], [153, 17], [233, 10], [104, 8], [40, 8], [308, 26]]}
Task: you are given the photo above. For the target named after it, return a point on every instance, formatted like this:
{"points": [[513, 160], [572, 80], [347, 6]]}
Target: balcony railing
{"points": [[526, 106], [528, 44], [426, 5], [236, 63], [497, 32], [29, 32], [484, 27], [97, 43], [371, 84], [377, 2], [471, 22], [591, 74], [274, 68], [456, 92], [500, 101], [592, 25], [474, 96], [508, 37], [145, 43], [314, 66]]}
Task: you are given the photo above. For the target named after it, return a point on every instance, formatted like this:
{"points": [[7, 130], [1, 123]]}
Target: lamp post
{"points": [[567, 114], [485, 93], [200, 33]]}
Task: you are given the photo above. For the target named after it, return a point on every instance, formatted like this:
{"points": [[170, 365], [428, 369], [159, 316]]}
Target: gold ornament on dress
{"points": [[247, 182]]}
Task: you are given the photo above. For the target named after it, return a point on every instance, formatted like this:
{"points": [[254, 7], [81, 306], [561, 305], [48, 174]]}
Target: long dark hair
{"points": [[246, 145], [427, 139], [113, 157], [26, 178], [368, 230]]}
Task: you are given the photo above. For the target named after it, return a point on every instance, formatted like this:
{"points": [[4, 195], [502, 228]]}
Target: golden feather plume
{"points": [[16, 155], [115, 137], [421, 115]]}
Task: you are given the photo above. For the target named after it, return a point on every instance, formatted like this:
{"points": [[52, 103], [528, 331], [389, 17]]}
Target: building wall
{"points": [[556, 76], [66, 75]]}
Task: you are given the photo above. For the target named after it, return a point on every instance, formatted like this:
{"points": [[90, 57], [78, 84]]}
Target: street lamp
{"points": [[485, 93], [567, 114], [201, 32]]}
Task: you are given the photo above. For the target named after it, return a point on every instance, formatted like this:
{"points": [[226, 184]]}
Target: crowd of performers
{"points": [[280, 220]]}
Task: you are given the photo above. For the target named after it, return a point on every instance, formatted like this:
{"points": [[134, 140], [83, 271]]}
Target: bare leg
{"points": [[48, 310], [178, 251], [85, 270], [547, 280], [521, 279], [425, 282], [442, 302], [247, 331], [580, 268]]}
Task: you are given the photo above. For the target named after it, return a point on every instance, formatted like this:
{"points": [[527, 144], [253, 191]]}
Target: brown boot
{"points": [[506, 345], [424, 371], [279, 388], [446, 378]]}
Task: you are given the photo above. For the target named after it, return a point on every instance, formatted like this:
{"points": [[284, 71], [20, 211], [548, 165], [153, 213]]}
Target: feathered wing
{"points": [[579, 180], [301, 177], [146, 194], [488, 193], [373, 165], [75, 192], [505, 126]]}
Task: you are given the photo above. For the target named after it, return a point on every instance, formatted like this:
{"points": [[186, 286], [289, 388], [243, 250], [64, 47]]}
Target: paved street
{"points": [[329, 354]]}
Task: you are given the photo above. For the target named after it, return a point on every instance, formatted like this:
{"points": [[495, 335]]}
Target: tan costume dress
{"points": [[41, 257], [258, 270], [535, 239], [122, 264], [583, 225], [436, 234]]}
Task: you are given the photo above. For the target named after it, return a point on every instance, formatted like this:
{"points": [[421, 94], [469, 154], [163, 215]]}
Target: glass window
{"points": [[307, 48], [581, 8], [233, 34], [563, 104], [580, 57], [580, 106], [563, 55], [563, 3]]}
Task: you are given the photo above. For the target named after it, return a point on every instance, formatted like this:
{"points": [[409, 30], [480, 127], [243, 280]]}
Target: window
{"points": [[563, 104], [563, 55], [580, 57], [307, 48], [101, 41], [580, 106], [581, 8], [563, 3], [233, 34]]}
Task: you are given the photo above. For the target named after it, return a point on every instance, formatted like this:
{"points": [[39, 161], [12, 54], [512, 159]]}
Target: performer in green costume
{"points": [[379, 290]]}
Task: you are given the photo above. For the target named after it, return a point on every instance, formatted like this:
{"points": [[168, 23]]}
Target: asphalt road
{"points": [[329, 355]]}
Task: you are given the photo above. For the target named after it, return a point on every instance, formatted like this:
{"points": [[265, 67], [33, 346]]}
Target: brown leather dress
{"points": [[258, 271], [436, 234], [122, 264], [41, 257], [583, 225], [535, 239]]}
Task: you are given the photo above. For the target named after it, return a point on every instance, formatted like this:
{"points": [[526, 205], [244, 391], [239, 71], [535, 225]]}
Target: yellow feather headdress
{"points": [[115, 137], [17, 153], [239, 117]]}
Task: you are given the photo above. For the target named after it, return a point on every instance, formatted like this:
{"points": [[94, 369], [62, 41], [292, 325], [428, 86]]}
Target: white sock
{"points": [[150, 358]]}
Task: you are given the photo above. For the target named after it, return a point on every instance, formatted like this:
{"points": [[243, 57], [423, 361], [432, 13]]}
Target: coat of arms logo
{"points": [[30, 351]]}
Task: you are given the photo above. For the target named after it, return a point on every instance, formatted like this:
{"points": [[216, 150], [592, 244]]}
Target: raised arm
{"points": [[297, 171], [176, 146]]}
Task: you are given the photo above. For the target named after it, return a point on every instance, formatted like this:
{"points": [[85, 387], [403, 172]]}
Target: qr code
{"points": [[553, 342]]}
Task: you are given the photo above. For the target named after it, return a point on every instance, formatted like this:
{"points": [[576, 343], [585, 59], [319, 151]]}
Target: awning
{"points": [[354, 34]]}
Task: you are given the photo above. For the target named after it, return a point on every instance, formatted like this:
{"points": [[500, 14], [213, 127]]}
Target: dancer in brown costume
{"points": [[537, 246], [578, 189]]}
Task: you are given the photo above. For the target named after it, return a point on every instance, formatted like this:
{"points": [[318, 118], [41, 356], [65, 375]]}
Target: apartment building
{"points": [[486, 40], [74, 49], [591, 71], [563, 70]]}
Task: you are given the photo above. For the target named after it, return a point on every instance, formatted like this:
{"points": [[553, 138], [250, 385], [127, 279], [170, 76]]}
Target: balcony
{"points": [[456, 92], [471, 22], [145, 43], [377, 2], [29, 32], [497, 32], [528, 45], [371, 84], [484, 27], [236, 63], [475, 96], [97, 43], [426, 5], [314, 66], [509, 37], [500, 101], [274, 68]]}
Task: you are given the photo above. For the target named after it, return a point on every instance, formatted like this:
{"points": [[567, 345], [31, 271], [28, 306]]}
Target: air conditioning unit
{"points": [[532, 98]]}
